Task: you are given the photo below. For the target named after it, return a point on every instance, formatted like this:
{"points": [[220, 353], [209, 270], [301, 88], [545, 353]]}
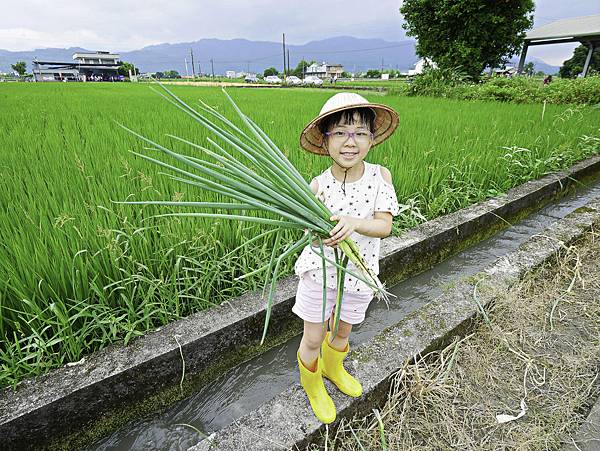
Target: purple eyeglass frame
{"points": [[348, 134]]}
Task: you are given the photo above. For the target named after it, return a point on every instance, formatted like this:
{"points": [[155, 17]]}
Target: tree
{"points": [[529, 68], [468, 34], [20, 67], [300, 69], [270, 71], [373, 73], [125, 67], [393, 73], [167, 74], [574, 65]]}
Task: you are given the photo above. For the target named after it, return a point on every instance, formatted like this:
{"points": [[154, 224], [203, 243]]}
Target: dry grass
{"points": [[541, 345]]}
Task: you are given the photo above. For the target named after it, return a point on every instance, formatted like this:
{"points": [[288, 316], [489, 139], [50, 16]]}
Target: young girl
{"points": [[362, 199]]}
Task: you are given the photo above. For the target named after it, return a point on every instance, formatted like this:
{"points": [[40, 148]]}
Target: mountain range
{"points": [[355, 54]]}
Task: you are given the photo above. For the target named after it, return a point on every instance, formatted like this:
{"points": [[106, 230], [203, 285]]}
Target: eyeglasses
{"points": [[360, 136]]}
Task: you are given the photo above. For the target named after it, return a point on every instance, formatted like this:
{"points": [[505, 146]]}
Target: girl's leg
{"points": [[310, 345], [334, 352], [340, 341], [311, 371]]}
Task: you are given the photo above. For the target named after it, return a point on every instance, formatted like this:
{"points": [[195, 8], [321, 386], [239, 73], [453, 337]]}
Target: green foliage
{"points": [[470, 34], [529, 68], [300, 69], [393, 73], [270, 71], [125, 67], [574, 65], [167, 74], [20, 67], [437, 82], [452, 84], [373, 73]]}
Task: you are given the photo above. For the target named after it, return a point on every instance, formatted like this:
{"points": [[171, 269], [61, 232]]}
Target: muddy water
{"points": [[251, 384]]}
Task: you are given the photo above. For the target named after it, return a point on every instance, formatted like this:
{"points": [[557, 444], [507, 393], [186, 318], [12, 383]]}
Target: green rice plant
{"points": [[381, 429], [256, 175], [63, 242]]}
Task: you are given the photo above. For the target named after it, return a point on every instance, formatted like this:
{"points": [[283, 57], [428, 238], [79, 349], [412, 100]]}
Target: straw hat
{"points": [[386, 120]]}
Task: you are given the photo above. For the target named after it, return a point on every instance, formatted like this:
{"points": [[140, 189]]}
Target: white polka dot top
{"points": [[370, 194]]}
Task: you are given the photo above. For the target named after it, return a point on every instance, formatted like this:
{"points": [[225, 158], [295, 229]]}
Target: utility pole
{"points": [[247, 67], [187, 74], [199, 70], [212, 68], [284, 54], [193, 67], [288, 61], [382, 65]]}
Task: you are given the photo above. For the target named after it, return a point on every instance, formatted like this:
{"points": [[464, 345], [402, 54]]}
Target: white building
{"points": [[101, 58], [95, 66], [420, 66], [508, 71], [325, 70]]}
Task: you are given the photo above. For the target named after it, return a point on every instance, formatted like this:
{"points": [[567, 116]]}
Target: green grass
{"points": [[78, 272], [392, 83]]}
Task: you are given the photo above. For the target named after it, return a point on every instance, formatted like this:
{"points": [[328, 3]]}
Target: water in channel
{"points": [[247, 386]]}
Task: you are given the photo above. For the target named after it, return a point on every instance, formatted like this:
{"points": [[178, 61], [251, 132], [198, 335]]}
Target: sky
{"points": [[133, 24]]}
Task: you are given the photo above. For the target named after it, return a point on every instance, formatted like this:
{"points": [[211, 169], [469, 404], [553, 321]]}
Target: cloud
{"points": [[132, 24]]}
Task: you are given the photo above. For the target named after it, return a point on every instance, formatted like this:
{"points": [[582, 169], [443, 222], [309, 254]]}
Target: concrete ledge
{"points": [[71, 399], [588, 436], [286, 421]]}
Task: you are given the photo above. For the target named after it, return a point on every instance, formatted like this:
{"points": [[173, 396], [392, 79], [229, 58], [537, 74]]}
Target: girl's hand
{"points": [[343, 229]]}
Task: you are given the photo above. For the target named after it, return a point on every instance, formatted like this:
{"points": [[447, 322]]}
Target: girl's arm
{"points": [[378, 227]]}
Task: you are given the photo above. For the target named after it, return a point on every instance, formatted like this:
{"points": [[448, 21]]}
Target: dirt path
{"points": [[539, 349]]}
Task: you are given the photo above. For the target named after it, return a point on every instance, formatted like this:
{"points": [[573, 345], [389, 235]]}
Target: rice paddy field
{"points": [[79, 272]]}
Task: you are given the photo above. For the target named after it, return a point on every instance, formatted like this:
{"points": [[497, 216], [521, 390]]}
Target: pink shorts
{"points": [[309, 303]]}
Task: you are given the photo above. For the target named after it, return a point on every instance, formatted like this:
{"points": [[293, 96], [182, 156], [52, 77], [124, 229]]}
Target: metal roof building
{"points": [[578, 29], [90, 65]]}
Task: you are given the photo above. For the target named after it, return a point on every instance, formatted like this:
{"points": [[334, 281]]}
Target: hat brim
{"points": [[386, 121]]}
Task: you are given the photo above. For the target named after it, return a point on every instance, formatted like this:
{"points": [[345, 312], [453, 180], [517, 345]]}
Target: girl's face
{"points": [[349, 144]]}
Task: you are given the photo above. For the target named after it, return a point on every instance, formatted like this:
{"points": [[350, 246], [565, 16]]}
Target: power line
{"points": [[406, 42]]}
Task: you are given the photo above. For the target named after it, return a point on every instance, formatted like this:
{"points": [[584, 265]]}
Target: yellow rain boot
{"points": [[333, 369], [313, 385]]}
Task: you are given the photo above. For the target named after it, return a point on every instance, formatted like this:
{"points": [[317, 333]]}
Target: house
{"points": [[325, 70], [334, 70], [421, 65], [98, 58], [94, 66], [99, 65], [318, 70], [230, 74], [507, 71]]}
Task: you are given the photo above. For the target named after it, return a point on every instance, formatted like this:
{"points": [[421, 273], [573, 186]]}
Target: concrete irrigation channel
{"points": [[208, 370]]}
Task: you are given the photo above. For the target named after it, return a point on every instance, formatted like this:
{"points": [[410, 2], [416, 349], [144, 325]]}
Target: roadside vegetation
{"points": [[454, 85], [524, 377]]}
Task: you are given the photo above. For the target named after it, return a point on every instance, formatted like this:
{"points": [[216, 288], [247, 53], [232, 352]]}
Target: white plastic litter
{"points": [[80, 362], [502, 418]]}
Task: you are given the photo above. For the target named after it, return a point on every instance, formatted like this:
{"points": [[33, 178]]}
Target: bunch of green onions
{"points": [[271, 185]]}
